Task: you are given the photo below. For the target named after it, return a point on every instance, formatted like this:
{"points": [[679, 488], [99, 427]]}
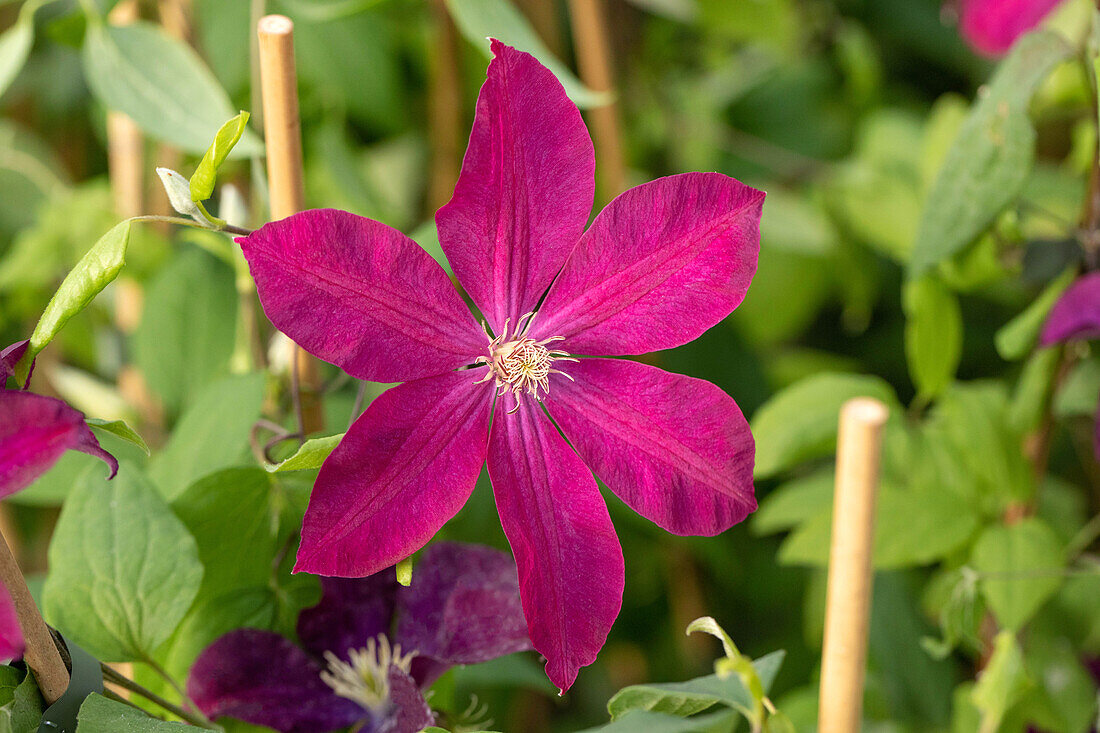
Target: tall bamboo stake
{"points": [[594, 63], [444, 108], [283, 138], [41, 653], [848, 598]]}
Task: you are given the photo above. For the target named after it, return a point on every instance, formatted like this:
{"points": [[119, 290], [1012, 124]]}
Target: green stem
{"points": [[180, 221], [112, 676], [189, 704]]}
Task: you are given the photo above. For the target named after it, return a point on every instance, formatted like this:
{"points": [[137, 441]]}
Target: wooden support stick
{"points": [[444, 108], [848, 598], [41, 653], [594, 62], [283, 137]]}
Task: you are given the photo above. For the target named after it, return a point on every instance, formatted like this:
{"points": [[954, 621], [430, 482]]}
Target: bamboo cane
{"points": [[40, 654], [594, 63], [848, 597], [283, 138]]}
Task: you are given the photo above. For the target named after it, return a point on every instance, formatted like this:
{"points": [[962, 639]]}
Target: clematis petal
{"points": [[362, 295], [992, 26], [571, 571], [677, 450], [410, 712], [34, 431], [11, 636], [463, 605], [265, 679], [405, 467], [9, 357], [660, 265], [525, 191], [1076, 315], [351, 612]]}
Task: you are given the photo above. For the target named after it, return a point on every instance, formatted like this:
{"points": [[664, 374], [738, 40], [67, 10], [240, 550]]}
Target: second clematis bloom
{"points": [[660, 265], [992, 26], [1076, 315]]}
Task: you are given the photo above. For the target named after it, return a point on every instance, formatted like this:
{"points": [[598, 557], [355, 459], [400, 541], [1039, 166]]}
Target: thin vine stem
{"points": [[180, 221], [119, 680]]}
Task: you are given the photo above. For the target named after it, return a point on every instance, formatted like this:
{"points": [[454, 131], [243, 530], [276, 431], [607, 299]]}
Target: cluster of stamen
{"points": [[521, 365], [364, 678]]}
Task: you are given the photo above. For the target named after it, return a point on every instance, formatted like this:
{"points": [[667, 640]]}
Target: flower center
{"points": [[364, 678], [521, 365]]}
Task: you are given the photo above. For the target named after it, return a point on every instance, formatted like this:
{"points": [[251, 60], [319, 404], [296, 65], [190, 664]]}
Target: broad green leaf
{"points": [[800, 423], [94, 272], [1030, 396], [319, 11], [206, 174], [161, 83], [212, 434], [310, 456], [1017, 337], [100, 715], [51, 488], [513, 670], [987, 165], [694, 696], [645, 721], [230, 516], [482, 19], [123, 569], [794, 502], [121, 429], [912, 528], [15, 45], [1021, 566], [185, 337], [794, 222], [21, 704], [1001, 683], [1077, 395], [933, 334]]}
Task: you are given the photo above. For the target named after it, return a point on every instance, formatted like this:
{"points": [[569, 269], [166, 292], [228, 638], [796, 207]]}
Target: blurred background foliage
{"points": [[846, 113]]}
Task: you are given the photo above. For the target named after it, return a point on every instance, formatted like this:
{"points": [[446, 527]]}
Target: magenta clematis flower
{"points": [[1076, 315], [11, 636], [660, 265], [992, 26], [35, 430], [462, 607]]}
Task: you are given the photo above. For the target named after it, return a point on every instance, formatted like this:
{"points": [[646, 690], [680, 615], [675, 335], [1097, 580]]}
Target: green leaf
{"points": [[481, 19], [794, 502], [206, 174], [94, 272], [212, 434], [933, 334], [1002, 683], [100, 715], [15, 45], [310, 456], [186, 335], [1017, 337], [800, 423], [645, 721], [1031, 395], [1021, 565], [21, 704], [1077, 395], [987, 165], [230, 516], [121, 429], [123, 569], [161, 83]]}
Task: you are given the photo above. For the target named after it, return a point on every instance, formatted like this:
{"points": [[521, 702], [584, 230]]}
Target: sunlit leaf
{"points": [[1021, 567], [310, 456], [933, 334], [206, 174], [122, 430]]}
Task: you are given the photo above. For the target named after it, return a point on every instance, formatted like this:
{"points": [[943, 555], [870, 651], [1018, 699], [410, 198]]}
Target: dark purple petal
{"points": [[677, 450], [9, 357], [463, 605], [34, 431], [410, 712], [525, 192], [405, 467], [660, 265], [571, 571], [11, 636], [361, 295], [262, 678], [351, 612], [1076, 315], [992, 26]]}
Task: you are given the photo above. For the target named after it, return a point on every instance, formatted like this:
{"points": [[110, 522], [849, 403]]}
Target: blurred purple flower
{"points": [[36, 430], [660, 265], [11, 636], [463, 607], [1076, 315], [992, 26]]}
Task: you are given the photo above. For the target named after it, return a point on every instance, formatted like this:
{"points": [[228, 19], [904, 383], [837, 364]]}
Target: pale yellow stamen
{"points": [[521, 365], [364, 678]]}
